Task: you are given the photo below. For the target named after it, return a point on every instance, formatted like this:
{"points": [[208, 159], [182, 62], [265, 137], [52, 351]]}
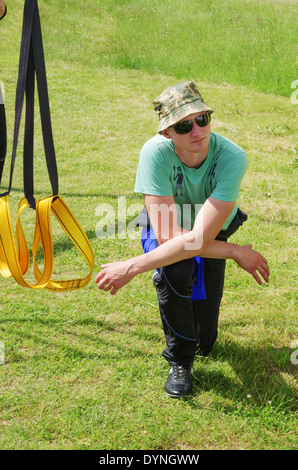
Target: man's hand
{"points": [[252, 262], [2, 8], [114, 276]]}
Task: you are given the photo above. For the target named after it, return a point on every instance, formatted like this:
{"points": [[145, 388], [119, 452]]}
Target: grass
{"points": [[214, 41], [83, 370]]}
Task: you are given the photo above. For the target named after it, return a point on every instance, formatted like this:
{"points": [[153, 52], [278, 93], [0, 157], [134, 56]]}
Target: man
{"points": [[190, 221]]}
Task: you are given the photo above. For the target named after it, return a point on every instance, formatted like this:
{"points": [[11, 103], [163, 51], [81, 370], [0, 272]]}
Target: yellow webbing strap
{"points": [[14, 256], [74, 231], [14, 259]]}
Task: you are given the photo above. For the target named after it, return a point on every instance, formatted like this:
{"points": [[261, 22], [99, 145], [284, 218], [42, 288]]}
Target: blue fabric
{"points": [[198, 290], [148, 239]]}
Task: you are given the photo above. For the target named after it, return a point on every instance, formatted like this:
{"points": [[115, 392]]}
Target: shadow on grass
{"points": [[60, 246], [86, 338], [256, 384], [258, 376]]}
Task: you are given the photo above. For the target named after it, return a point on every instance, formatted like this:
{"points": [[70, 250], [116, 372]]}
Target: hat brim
{"points": [[182, 112]]}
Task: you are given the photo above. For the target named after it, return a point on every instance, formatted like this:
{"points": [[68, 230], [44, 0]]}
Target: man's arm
{"points": [[116, 275], [162, 212], [198, 241], [211, 218]]}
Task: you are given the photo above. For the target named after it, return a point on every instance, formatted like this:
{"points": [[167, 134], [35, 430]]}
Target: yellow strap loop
{"points": [[14, 260], [75, 232]]}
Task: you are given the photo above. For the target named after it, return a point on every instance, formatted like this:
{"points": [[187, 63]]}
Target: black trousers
{"points": [[191, 326]]}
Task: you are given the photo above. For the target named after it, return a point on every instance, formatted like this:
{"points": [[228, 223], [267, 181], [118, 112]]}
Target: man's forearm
{"points": [[174, 250], [221, 250], [115, 275]]}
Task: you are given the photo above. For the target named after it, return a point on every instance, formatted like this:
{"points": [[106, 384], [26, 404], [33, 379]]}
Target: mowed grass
{"points": [[83, 370]]}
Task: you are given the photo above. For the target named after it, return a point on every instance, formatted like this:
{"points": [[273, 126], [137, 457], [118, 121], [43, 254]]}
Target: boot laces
{"points": [[180, 372]]}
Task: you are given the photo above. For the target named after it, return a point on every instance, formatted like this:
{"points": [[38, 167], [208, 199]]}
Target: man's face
{"points": [[195, 141]]}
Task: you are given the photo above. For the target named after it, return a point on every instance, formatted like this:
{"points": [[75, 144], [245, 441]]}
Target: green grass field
{"points": [[83, 369]]}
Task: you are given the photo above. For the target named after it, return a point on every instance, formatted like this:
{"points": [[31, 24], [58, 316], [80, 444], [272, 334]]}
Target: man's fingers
{"points": [[110, 286], [114, 290], [101, 281], [265, 273], [264, 270], [99, 276], [257, 277], [104, 283], [260, 266], [101, 273]]}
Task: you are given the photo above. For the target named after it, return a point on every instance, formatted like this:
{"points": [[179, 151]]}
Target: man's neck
{"points": [[190, 159]]}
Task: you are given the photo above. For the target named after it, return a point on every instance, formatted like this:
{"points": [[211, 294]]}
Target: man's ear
{"points": [[166, 134]]}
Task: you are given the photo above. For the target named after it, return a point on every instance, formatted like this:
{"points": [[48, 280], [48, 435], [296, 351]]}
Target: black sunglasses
{"points": [[185, 127]]}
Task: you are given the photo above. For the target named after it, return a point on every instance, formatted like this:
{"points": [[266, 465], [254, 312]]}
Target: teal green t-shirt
{"points": [[161, 173]]}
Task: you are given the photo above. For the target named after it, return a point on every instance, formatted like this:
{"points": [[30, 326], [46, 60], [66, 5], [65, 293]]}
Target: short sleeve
{"points": [[153, 173], [230, 173]]}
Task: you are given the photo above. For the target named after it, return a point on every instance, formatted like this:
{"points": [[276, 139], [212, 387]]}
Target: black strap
{"points": [[32, 63], [44, 102], [3, 137], [29, 132], [3, 133], [21, 85]]}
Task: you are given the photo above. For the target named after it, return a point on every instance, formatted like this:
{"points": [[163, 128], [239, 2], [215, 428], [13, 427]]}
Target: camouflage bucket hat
{"points": [[177, 102]]}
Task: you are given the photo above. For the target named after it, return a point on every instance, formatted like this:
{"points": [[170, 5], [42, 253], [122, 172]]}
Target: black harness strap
{"points": [[14, 258], [32, 63], [3, 136], [40, 68]]}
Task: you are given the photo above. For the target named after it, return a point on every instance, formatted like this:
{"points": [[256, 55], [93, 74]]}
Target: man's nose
{"points": [[195, 129]]}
